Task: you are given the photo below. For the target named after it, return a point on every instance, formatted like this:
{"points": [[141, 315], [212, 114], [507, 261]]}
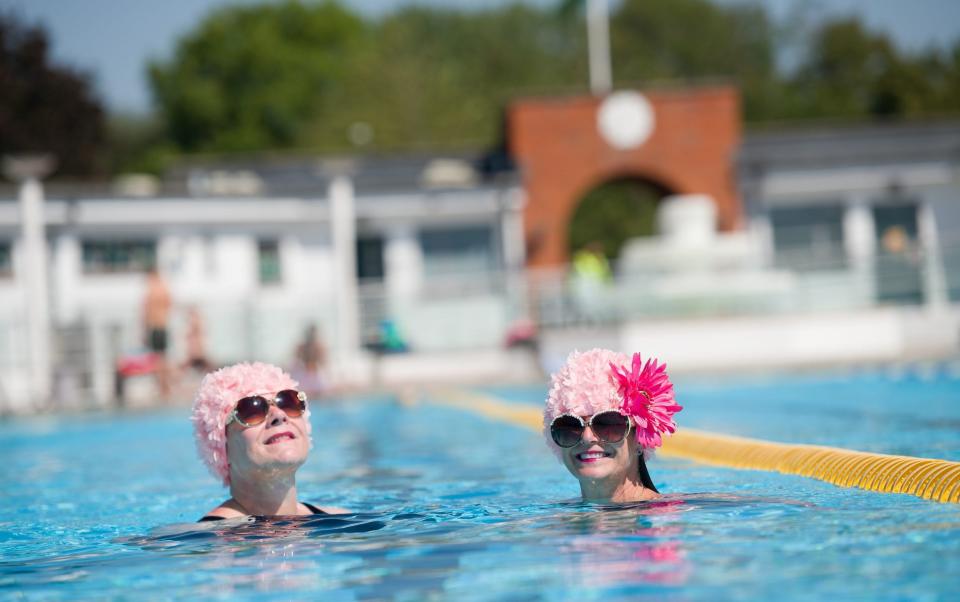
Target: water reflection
{"points": [[432, 553], [427, 551], [372, 555], [611, 547]]}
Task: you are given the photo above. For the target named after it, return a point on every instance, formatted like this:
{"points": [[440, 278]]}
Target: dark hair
{"points": [[645, 476]]}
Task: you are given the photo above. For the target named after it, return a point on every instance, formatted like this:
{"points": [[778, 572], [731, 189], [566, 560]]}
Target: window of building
{"points": [[268, 253], [464, 250], [370, 258], [6, 259], [118, 256], [809, 238], [898, 263]]}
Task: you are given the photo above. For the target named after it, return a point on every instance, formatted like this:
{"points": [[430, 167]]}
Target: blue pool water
{"points": [[452, 506]]}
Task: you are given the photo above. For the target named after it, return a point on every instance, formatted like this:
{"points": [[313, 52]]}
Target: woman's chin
{"points": [[284, 458], [593, 470]]}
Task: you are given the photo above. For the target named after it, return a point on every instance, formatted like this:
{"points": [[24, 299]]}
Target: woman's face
{"points": [[593, 459], [279, 443]]}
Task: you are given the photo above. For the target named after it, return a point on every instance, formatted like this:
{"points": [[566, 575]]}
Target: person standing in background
{"points": [[196, 343], [591, 284], [310, 358], [156, 312]]}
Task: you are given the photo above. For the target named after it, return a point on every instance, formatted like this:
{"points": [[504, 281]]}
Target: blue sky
{"points": [[113, 39]]}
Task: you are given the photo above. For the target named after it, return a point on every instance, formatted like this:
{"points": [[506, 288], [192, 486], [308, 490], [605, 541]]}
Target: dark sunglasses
{"points": [[251, 411], [610, 426]]}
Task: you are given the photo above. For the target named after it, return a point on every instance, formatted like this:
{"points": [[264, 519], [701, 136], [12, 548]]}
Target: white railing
{"points": [[788, 284]]}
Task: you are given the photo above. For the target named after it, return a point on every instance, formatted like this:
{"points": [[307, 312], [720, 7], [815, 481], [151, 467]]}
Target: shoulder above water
{"points": [[229, 510]]}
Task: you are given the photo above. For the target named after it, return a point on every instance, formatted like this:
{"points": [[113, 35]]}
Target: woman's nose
{"points": [[588, 435], [276, 415]]}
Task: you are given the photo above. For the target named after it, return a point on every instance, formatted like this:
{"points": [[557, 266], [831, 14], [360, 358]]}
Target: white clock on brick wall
{"points": [[625, 120]]}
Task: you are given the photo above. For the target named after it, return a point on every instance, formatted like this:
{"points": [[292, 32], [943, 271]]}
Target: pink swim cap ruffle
{"points": [[218, 394], [584, 385]]}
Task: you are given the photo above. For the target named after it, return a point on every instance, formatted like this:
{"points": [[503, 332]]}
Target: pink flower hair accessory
{"points": [[647, 395], [218, 394]]}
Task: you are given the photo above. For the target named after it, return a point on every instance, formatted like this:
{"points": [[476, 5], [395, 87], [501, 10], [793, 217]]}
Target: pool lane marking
{"points": [[927, 478]]}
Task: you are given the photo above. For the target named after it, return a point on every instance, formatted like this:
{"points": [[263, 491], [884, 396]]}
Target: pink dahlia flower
{"points": [[647, 395]]}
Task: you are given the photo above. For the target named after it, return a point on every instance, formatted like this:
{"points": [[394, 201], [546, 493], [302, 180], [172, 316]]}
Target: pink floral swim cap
{"points": [[218, 394], [600, 379]]}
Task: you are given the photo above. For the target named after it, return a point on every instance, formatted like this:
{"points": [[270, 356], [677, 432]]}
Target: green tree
{"points": [[440, 78], [304, 75], [138, 144], [251, 76], [46, 108], [851, 72], [315, 76], [657, 40], [613, 213], [839, 77]]}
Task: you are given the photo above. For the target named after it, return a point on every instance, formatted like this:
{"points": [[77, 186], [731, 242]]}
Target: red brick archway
{"points": [[561, 156]]}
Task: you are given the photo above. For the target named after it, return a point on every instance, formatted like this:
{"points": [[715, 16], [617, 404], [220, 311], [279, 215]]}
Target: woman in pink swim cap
{"points": [[252, 431], [603, 414]]}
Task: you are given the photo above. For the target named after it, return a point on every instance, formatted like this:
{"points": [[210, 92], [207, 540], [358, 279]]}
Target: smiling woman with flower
{"points": [[252, 430], [604, 414]]}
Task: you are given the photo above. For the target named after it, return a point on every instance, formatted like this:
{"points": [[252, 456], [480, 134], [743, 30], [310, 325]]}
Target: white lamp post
{"points": [[343, 222], [28, 170]]}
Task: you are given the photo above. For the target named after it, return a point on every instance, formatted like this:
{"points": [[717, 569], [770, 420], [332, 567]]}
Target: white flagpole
{"points": [[598, 43]]}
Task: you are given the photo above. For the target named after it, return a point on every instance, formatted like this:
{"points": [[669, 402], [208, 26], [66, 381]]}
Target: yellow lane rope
{"points": [[927, 478]]}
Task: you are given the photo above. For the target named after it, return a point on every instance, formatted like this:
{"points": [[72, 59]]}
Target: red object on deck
{"points": [[138, 364]]}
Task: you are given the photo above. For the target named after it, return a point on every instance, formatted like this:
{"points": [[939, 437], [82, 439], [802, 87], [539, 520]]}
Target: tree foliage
{"points": [[46, 108], [315, 76], [851, 72], [440, 78], [668, 40], [252, 76], [418, 77], [613, 213]]}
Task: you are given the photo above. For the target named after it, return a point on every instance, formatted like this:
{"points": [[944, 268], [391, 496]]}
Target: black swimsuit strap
{"points": [[313, 508], [309, 506]]}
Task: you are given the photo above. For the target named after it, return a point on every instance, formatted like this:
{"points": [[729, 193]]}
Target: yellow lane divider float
{"points": [[927, 478]]}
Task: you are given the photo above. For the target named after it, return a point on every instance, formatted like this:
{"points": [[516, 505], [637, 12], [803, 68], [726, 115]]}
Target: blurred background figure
{"points": [[386, 338], [522, 333], [591, 279], [195, 343], [310, 360], [157, 303], [391, 338]]}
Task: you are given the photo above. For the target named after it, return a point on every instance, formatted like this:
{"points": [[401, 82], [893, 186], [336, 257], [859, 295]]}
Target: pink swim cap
{"points": [[600, 379], [218, 394]]}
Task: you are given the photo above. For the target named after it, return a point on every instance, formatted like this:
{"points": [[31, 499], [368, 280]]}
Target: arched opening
{"points": [[614, 212]]}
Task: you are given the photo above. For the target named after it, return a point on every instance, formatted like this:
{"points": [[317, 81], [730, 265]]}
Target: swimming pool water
{"points": [[452, 506]]}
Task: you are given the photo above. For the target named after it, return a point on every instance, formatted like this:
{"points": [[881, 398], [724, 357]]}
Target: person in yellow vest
{"points": [[591, 263], [590, 282]]}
